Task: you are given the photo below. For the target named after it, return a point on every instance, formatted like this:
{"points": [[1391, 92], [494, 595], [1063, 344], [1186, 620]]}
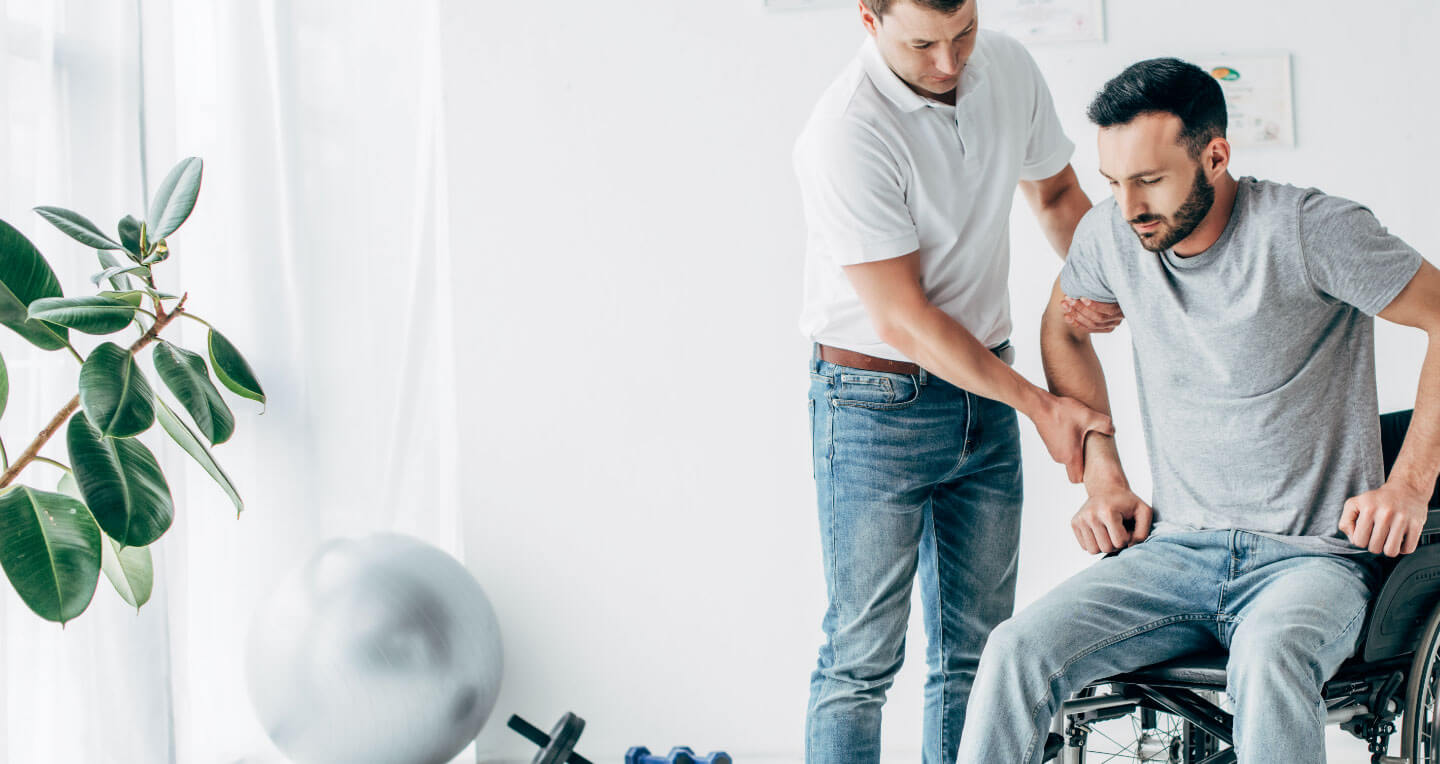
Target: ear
{"points": [[1215, 159], [868, 18]]}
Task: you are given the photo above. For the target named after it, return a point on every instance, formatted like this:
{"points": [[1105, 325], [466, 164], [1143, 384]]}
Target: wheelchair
{"points": [[1170, 712]]}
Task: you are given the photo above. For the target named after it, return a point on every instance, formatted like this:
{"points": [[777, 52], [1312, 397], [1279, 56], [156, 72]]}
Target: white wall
{"points": [[628, 240]]}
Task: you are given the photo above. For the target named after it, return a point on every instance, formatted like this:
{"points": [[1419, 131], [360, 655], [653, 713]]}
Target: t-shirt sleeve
{"points": [[1084, 272], [1349, 256], [854, 194], [1047, 150]]}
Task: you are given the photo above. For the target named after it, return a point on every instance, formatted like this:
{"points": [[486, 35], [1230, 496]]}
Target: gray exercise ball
{"points": [[382, 649]]}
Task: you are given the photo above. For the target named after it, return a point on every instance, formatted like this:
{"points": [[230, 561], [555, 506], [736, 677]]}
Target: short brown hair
{"points": [[879, 7]]}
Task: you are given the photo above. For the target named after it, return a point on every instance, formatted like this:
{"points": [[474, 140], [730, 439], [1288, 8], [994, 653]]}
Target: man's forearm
{"points": [[939, 343], [1418, 465], [1073, 369]]}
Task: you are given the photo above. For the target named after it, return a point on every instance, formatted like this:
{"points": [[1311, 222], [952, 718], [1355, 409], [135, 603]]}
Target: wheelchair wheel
{"points": [[1144, 735], [1420, 728]]}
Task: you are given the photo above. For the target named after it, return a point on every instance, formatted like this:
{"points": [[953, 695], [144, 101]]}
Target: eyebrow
{"points": [[968, 30], [1140, 174]]}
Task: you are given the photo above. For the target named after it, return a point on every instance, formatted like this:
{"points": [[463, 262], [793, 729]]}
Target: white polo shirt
{"points": [[885, 172]]}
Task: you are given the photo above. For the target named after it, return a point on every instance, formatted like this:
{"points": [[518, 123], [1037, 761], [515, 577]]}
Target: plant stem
{"points": [[75, 353], [162, 319], [52, 462], [4, 457], [194, 317]]}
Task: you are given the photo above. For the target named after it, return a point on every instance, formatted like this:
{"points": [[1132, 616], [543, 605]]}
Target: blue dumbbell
{"points": [[678, 755]]}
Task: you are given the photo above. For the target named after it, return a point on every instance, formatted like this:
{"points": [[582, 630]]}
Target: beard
{"points": [[1174, 228]]}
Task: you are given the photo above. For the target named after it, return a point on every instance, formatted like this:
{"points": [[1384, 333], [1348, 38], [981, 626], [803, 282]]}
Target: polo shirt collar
{"points": [[895, 89]]}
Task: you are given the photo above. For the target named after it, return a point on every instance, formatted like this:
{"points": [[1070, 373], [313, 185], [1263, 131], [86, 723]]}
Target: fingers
{"points": [[1090, 315], [1395, 539], [1114, 526], [1347, 519], [1364, 524], [1144, 516], [1101, 424], [1075, 467], [1412, 539], [1110, 311], [1084, 536]]}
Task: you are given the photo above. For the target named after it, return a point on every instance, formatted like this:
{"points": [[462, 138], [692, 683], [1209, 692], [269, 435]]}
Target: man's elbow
{"points": [[1056, 332], [898, 326]]}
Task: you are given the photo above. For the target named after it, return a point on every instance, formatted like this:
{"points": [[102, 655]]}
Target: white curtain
{"points": [[318, 246]]}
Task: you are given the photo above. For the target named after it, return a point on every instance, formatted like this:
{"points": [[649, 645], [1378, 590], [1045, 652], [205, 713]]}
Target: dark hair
{"points": [[879, 7], [1168, 86]]}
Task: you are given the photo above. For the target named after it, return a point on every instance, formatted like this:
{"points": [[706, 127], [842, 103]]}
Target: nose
{"points": [[947, 61], [1131, 204]]}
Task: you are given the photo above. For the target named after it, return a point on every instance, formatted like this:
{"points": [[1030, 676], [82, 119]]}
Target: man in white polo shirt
{"points": [[908, 167]]}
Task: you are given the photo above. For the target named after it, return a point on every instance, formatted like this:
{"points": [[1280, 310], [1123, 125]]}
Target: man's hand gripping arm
{"points": [[906, 319], [1073, 370]]}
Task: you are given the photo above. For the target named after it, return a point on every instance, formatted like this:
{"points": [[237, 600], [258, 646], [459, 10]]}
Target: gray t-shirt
{"points": [[1254, 360]]}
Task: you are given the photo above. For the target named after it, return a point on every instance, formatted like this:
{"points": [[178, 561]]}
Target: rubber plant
{"points": [[113, 501]]}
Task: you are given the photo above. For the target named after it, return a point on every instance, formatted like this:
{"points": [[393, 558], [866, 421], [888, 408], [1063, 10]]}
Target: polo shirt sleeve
{"points": [[1349, 256], [1084, 272], [1047, 150], [854, 194]]}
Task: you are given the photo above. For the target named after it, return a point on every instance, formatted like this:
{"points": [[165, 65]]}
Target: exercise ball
{"points": [[381, 649]]}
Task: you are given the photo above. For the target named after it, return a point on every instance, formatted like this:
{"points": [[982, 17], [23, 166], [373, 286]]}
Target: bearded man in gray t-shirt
{"points": [[1251, 309]]}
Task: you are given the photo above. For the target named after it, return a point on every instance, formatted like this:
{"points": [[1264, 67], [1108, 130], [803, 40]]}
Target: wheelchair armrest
{"points": [[1410, 592]]}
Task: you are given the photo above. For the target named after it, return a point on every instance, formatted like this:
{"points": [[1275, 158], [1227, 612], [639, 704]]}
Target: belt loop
{"points": [[923, 378]]}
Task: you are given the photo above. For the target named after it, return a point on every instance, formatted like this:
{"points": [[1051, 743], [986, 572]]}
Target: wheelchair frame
{"points": [[1396, 668]]}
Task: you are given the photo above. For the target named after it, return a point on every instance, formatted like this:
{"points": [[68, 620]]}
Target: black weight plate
{"points": [[562, 740]]}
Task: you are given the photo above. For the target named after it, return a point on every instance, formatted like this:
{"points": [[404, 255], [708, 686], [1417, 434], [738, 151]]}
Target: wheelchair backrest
{"points": [[1412, 585]]}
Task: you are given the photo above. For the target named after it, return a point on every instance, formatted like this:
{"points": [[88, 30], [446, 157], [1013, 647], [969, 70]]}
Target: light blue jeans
{"points": [[913, 475], [1289, 618]]}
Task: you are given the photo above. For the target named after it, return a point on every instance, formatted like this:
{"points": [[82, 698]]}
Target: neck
{"points": [[1208, 232]]}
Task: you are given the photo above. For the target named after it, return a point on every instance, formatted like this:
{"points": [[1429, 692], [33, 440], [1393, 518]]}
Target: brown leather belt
{"points": [[854, 360]]}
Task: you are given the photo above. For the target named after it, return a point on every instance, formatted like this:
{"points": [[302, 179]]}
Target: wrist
{"points": [[1103, 472], [1035, 403], [1413, 483]]}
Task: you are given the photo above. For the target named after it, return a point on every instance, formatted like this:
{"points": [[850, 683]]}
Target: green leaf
{"points": [[4, 386], [119, 270], [185, 374], [50, 549], [129, 568], [116, 397], [77, 227], [186, 439], [92, 315], [132, 297], [174, 199], [130, 235], [24, 278], [108, 261], [232, 370], [121, 482], [160, 255]]}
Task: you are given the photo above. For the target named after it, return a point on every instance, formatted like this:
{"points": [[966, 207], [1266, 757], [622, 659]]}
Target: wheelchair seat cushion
{"points": [[1199, 670]]}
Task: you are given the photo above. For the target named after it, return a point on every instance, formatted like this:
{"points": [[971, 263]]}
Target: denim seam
{"points": [[939, 619], [878, 406], [964, 442], [1358, 614], [1135, 632]]}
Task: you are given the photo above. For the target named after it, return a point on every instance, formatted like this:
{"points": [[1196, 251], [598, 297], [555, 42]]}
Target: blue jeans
{"points": [[912, 474], [1289, 617]]}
